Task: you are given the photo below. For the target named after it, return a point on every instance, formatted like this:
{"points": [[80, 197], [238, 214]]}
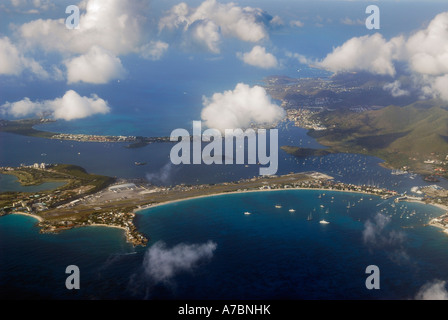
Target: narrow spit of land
{"points": [[88, 199]]}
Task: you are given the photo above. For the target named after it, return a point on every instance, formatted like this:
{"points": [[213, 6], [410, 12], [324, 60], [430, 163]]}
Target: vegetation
{"points": [[403, 136], [25, 127], [305, 152]]}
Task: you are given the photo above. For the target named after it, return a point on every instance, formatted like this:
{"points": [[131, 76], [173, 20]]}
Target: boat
{"points": [[278, 206], [431, 179], [139, 163], [247, 213], [324, 222], [322, 206], [292, 210]]}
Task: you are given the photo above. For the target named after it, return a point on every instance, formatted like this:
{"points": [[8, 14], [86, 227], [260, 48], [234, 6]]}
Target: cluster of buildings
{"points": [[304, 118], [93, 138], [441, 222]]}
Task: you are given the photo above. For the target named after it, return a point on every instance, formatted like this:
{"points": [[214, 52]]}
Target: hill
{"points": [[403, 136]]}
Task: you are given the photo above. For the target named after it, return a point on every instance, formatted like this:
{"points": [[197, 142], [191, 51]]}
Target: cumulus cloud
{"points": [[213, 19], [153, 50], [434, 290], [12, 62], [367, 53], [239, 108], [114, 25], [96, 66], [206, 33], [395, 89], [69, 107], [428, 48], [258, 57], [161, 263], [425, 53], [107, 29]]}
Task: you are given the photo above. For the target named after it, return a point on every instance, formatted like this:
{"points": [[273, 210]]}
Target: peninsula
{"points": [[26, 127], [88, 199]]}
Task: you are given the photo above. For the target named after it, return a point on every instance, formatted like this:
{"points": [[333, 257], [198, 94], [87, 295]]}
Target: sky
{"points": [[49, 69]]}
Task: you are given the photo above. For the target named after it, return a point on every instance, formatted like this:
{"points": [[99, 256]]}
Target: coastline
{"points": [[149, 206], [39, 218], [104, 225]]}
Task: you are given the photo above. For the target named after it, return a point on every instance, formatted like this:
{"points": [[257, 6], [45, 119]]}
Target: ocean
{"points": [[269, 254], [209, 249]]}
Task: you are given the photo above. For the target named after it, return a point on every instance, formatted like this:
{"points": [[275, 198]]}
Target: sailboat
{"points": [[348, 206], [310, 217]]}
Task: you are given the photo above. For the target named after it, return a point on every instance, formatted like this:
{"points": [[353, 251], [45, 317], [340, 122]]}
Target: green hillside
{"points": [[401, 135]]}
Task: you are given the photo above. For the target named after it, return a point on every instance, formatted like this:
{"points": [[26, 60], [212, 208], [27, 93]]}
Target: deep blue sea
{"points": [[208, 248]]}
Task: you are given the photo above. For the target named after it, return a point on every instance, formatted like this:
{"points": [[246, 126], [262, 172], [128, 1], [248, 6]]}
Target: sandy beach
{"points": [[104, 225], [248, 191], [30, 215]]}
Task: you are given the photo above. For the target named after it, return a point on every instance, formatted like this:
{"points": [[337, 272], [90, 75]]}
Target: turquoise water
{"points": [[11, 183], [271, 253]]}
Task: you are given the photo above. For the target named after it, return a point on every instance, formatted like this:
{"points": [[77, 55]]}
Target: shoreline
{"points": [[104, 225], [39, 218], [149, 206]]}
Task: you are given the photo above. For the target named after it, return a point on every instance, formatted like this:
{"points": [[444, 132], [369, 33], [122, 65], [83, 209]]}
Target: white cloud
{"points": [[428, 49], [239, 108], [440, 87], [114, 25], [153, 50], [12, 62], [71, 106], [395, 89], [301, 58], [425, 53], [161, 263], [96, 66], [258, 57], [367, 53], [277, 21], [375, 233], [296, 23], [435, 290], [213, 18], [207, 34]]}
